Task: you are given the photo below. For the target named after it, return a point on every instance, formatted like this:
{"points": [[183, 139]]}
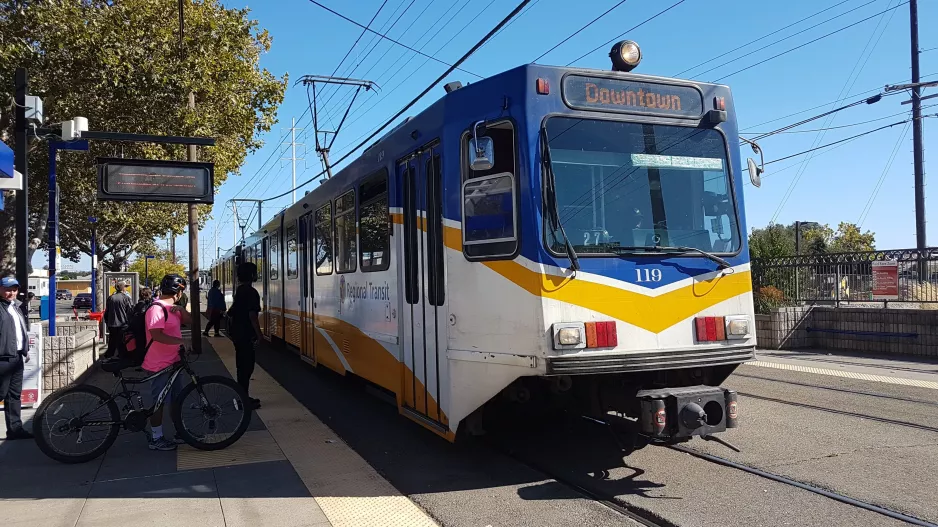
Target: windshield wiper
{"points": [[554, 210], [619, 249]]}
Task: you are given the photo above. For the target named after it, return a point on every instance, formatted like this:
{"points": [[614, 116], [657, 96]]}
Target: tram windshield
{"points": [[621, 187]]}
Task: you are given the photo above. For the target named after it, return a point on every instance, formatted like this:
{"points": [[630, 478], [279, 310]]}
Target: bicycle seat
{"points": [[115, 364]]}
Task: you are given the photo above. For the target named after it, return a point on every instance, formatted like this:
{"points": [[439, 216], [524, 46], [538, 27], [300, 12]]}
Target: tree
{"points": [[773, 241], [119, 64], [776, 240], [157, 267], [848, 238]]}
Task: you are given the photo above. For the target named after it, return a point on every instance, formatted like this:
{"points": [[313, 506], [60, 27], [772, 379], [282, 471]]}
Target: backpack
{"points": [[135, 336]]}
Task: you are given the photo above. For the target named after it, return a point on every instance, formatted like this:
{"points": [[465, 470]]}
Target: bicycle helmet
{"points": [[172, 284]]}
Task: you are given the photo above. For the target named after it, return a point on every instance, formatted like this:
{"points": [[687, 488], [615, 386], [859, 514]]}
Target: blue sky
{"points": [[832, 186]]}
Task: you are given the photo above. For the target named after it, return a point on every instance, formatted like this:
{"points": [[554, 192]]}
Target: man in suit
{"points": [[14, 353]]}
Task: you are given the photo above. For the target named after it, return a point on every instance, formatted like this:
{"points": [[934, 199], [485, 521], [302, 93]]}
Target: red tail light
{"points": [[601, 335], [710, 329]]}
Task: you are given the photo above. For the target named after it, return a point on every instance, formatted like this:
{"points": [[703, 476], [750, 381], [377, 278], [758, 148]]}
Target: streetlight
{"points": [[798, 227], [146, 267]]}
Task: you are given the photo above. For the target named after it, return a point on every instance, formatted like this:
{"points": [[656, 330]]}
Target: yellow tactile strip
{"points": [[846, 374], [349, 491], [253, 447]]}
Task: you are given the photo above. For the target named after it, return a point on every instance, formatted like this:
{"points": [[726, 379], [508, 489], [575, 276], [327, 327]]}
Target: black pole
{"points": [[918, 156], [21, 162], [797, 237], [259, 222]]}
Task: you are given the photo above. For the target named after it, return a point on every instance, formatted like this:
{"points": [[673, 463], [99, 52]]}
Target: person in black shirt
{"points": [[117, 317], [244, 329]]}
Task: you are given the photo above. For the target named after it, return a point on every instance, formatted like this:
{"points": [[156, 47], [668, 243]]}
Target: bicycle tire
{"points": [[183, 431], [44, 442]]}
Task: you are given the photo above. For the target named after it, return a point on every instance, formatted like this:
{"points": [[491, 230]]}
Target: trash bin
{"points": [[44, 307]]}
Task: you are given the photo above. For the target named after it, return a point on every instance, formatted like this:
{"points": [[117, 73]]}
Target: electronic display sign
{"points": [[149, 180], [619, 95]]}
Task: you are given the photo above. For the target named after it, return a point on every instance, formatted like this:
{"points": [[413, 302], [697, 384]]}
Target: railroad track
{"points": [[633, 513], [804, 486]]}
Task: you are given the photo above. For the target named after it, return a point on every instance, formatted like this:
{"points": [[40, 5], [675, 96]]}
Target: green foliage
{"points": [[120, 65], [776, 240], [157, 267]]}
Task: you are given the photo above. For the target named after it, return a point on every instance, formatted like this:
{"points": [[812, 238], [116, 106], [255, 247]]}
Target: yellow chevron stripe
{"points": [[652, 313]]}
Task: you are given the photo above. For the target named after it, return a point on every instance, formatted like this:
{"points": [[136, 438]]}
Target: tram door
{"points": [[424, 309], [306, 288]]}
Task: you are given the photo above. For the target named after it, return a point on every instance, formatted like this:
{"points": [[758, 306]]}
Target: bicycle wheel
{"points": [[60, 429], [216, 420]]}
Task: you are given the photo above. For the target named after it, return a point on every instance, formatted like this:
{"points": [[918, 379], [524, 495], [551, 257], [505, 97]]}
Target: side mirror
{"points": [[481, 149], [755, 173]]}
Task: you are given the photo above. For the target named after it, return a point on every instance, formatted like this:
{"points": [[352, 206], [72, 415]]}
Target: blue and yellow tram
{"points": [[571, 231]]}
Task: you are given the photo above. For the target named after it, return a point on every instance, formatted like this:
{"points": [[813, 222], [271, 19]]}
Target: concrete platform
{"points": [[289, 469], [888, 369]]}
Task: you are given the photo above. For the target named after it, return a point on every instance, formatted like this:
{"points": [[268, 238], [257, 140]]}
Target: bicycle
{"points": [[98, 412]]}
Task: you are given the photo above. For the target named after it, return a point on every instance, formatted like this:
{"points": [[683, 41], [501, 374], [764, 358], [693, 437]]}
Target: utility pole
{"points": [[194, 308], [918, 154], [21, 163]]}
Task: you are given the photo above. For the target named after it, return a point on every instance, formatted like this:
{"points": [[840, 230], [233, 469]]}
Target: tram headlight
{"points": [[569, 336], [737, 326], [625, 56]]}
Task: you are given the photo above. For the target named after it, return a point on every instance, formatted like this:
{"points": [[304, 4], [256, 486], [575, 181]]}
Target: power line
{"points": [[809, 42], [633, 28], [365, 29], [363, 112], [400, 70], [848, 85], [783, 39], [578, 31], [823, 105], [405, 46], [761, 38], [868, 132], [879, 183], [867, 100], [841, 126], [426, 90]]}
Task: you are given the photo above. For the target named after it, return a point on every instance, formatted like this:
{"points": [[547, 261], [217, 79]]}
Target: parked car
{"points": [[82, 301], [63, 294]]}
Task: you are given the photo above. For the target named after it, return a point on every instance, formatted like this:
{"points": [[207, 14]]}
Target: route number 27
{"points": [[648, 275]]}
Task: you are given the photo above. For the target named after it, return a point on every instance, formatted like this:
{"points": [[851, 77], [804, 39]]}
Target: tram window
{"points": [[259, 261], [373, 218], [489, 219], [324, 240], [292, 254], [345, 249], [274, 256]]}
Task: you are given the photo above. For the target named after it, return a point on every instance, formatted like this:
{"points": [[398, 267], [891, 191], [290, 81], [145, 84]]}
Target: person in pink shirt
{"points": [[164, 322]]}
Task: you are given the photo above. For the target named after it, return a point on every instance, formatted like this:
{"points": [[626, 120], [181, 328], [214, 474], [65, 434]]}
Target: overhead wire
{"points": [[405, 46], [416, 99], [788, 37], [633, 28], [385, 94], [806, 110], [812, 41], [395, 71], [848, 85], [578, 31], [879, 183], [763, 37]]}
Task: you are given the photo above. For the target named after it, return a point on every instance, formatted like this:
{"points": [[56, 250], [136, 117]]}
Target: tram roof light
{"points": [[626, 55]]}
